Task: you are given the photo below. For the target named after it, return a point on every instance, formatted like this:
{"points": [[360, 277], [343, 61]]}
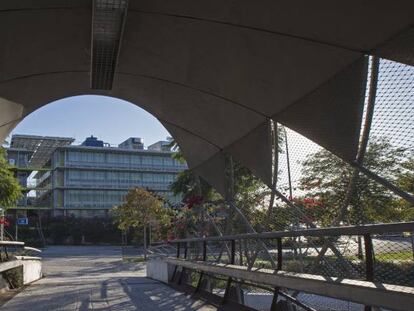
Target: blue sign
{"points": [[22, 221]]}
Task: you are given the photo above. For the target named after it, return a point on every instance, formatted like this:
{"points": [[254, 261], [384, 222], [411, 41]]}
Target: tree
{"points": [[188, 185], [141, 209], [10, 189], [250, 193], [325, 178], [405, 181]]}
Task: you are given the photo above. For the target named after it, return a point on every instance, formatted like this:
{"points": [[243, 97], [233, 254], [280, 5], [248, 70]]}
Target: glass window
{"points": [[168, 161], [112, 158], [157, 160], [146, 160], [135, 159]]}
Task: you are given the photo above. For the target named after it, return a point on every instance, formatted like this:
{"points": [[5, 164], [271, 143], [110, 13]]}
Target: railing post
{"points": [[233, 252], [204, 250], [279, 253], [178, 250], [185, 257], [369, 262], [202, 273], [185, 250], [279, 267], [232, 260], [369, 257], [175, 268]]}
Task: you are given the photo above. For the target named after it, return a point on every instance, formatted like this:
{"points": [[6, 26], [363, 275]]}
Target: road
{"points": [[94, 278]]}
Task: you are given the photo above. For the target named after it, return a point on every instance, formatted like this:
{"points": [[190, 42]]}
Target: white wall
{"points": [[159, 270], [32, 270]]}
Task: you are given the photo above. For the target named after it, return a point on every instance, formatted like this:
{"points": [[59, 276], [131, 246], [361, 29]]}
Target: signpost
{"points": [[22, 221]]}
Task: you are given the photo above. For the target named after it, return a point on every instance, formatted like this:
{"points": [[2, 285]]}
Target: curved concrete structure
{"points": [[213, 72]]}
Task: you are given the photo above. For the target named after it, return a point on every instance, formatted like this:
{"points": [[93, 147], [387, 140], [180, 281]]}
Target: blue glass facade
{"points": [[88, 181]]}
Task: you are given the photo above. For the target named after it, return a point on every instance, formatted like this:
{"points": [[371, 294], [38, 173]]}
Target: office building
{"points": [[87, 180]]}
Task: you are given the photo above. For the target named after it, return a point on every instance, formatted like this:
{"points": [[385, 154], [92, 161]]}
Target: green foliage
{"points": [[405, 181], [326, 178], [10, 190], [249, 197], [405, 178], [188, 185], [140, 209], [247, 187]]}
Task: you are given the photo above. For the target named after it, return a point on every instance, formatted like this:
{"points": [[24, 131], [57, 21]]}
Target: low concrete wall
{"points": [[4, 286], [32, 270], [159, 270]]}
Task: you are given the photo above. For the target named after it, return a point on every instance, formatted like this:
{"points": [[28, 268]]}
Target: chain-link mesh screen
{"points": [[317, 189], [394, 111]]}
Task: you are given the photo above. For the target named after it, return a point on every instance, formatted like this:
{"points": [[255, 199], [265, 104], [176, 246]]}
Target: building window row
{"points": [[97, 198], [73, 176], [122, 159]]}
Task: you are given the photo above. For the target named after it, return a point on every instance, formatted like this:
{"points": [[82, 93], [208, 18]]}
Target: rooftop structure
{"points": [[93, 142], [162, 145], [133, 143], [41, 147]]}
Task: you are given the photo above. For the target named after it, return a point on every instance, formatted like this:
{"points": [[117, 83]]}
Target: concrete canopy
{"points": [[212, 71]]}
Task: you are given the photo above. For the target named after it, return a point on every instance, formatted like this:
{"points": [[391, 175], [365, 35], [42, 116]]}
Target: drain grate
{"points": [[107, 27]]}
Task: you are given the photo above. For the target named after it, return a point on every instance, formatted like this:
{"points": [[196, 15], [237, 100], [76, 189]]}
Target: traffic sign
{"points": [[22, 221]]}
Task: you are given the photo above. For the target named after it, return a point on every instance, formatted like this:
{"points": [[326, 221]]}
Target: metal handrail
{"points": [[32, 249], [11, 243], [245, 273], [315, 232]]}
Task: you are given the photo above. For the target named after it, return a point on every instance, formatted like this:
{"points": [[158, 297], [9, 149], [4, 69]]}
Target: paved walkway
{"points": [[94, 278]]}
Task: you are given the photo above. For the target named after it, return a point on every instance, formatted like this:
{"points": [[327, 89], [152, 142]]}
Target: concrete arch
{"points": [[213, 72]]}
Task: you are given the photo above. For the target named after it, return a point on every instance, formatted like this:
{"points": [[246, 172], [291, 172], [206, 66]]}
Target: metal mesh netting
{"points": [[317, 189], [108, 22], [325, 191], [394, 111], [318, 180]]}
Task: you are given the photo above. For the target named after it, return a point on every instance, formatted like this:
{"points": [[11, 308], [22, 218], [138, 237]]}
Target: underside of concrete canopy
{"points": [[214, 72]]}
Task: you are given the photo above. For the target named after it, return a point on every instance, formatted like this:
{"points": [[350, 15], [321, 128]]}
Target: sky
{"points": [[110, 119], [113, 121]]}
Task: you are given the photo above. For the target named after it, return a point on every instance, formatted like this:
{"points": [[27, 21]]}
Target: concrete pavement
{"points": [[94, 278]]}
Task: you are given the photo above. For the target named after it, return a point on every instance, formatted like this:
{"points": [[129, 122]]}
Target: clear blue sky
{"points": [[110, 119]]}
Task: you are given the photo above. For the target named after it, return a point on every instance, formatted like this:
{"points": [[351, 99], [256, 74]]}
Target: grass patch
{"points": [[133, 259], [402, 255]]}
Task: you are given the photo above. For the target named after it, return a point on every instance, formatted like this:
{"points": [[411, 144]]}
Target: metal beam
{"points": [[108, 22]]}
